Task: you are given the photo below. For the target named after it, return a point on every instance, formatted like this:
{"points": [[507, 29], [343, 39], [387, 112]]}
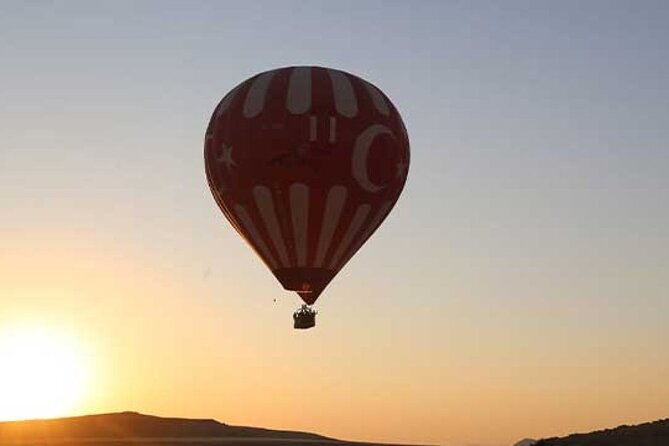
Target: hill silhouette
{"points": [[131, 427], [655, 433]]}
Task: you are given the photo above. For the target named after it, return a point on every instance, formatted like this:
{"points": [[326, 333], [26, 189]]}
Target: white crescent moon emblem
{"points": [[360, 152]]}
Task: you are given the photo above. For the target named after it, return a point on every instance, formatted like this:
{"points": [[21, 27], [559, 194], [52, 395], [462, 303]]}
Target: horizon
{"points": [[517, 289], [261, 428]]}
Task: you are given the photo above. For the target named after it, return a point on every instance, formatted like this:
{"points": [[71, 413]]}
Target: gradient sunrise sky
{"points": [[518, 289]]}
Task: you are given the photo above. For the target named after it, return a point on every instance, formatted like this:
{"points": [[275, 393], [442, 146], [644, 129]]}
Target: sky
{"points": [[518, 289]]}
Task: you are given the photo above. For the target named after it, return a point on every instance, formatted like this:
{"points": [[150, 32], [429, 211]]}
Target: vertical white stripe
{"points": [[255, 97], [333, 129], [298, 99], [265, 205], [353, 228], [299, 209], [376, 221], [226, 101], [313, 127], [377, 98], [333, 207], [344, 96], [257, 240]]}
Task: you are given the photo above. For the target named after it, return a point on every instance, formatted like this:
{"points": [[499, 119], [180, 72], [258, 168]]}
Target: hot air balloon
{"points": [[305, 163]]}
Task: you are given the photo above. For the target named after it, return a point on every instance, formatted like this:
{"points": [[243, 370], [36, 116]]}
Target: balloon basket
{"points": [[304, 318]]}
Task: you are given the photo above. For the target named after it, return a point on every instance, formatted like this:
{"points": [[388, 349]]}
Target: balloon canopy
{"points": [[305, 163]]}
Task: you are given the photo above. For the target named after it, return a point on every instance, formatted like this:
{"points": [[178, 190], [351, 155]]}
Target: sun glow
{"points": [[43, 374]]}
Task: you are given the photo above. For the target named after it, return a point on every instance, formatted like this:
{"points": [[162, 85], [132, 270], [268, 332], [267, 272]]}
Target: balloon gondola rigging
{"points": [[305, 163]]}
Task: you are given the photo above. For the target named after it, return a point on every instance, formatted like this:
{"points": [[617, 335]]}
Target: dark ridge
{"points": [[655, 433], [127, 425]]}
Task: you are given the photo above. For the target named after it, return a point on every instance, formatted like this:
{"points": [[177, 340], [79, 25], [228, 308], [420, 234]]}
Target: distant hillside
{"points": [[647, 434], [132, 425]]}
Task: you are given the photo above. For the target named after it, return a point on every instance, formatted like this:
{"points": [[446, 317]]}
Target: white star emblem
{"points": [[402, 168], [226, 157]]}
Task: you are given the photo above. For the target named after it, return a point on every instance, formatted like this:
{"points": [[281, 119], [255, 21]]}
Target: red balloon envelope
{"points": [[305, 163]]}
